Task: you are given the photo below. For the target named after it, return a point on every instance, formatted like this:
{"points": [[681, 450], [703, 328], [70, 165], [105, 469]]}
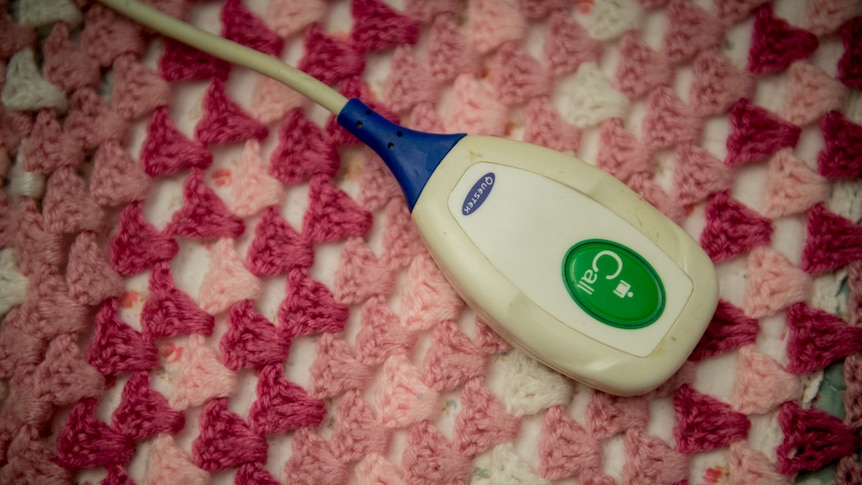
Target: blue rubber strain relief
{"points": [[412, 156]]}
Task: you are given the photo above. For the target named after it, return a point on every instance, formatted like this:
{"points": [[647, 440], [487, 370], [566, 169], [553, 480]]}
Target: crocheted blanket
{"points": [[205, 280]]}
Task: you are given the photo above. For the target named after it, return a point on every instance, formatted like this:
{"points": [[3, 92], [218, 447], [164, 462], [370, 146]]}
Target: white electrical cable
{"points": [[232, 52]]}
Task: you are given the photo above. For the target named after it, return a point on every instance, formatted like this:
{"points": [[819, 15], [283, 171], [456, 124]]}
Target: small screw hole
{"points": [[391, 146], [359, 124], [368, 112], [399, 134]]}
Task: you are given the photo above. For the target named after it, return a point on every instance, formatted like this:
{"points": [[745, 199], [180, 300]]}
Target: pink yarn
{"points": [[568, 45], [775, 43], [253, 189], [272, 100], [750, 466], [89, 274], [91, 123], [277, 248], [402, 398], [13, 127], [691, 29], [761, 384], [178, 9], [166, 151], [309, 307], [424, 11], [409, 82], [31, 460], [329, 59], [374, 469], [254, 474], [640, 68], [538, 9], [225, 440], [842, 156], [832, 241], [773, 283], [107, 35], [668, 121], [518, 77], [281, 405], [620, 153], [732, 11], [452, 359], [48, 148], [166, 462], [143, 412], [65, 64], [818, 338], [826, 16], [16, 36], [491, 23], [63, 377], [483, 421], [332, 215], [544, 126], [810, 93], [488, 340], [377, 26], [336, 369], [732, 228], [200, 376], [428, 298], [475, 110], [380, 335], [302, 152], [449, 52], [812, 439], [203, 214], [86, 442], [168, 311], [137, 244], [312, 462], [854, 300], [361, 274], [647, 188], [607, 415], [288, 17], [227, 280], [224, 121], [729, 329], [357, 432], [756, 134], [18, 348], [137, 90], [252, 341], [116, 476], [179, 62], [240, 25], [698, 174], [50, 310], [39, 251], [791, 186], [650, 461], [377, 185], [565, 448], [704, 423], [849, 71], [853, 393], [849, 471], [430, 459], [117, 348], [67, 206], [717, 84], [401, 241]]}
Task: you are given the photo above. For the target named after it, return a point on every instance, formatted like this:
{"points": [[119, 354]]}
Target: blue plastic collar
{"points": [[412, 156]]}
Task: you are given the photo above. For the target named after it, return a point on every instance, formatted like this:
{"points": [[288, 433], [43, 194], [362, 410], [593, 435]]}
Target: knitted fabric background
{"points": [[205, 280]]}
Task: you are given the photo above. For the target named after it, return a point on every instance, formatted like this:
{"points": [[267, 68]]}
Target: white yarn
{"points": [[13, 285], [846, 199], [531, 387], [609, 19], [588, 98], [508, 467], [26, 89], [41, 13], [24, 183]]}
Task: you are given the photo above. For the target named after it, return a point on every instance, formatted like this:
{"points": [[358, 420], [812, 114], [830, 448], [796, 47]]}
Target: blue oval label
{"points": [[477, 195]]}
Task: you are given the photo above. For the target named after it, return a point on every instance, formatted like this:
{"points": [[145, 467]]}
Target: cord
{"points": [[230, 51]]}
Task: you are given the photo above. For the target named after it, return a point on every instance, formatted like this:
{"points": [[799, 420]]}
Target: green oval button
{"points": [[613, 284]]}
